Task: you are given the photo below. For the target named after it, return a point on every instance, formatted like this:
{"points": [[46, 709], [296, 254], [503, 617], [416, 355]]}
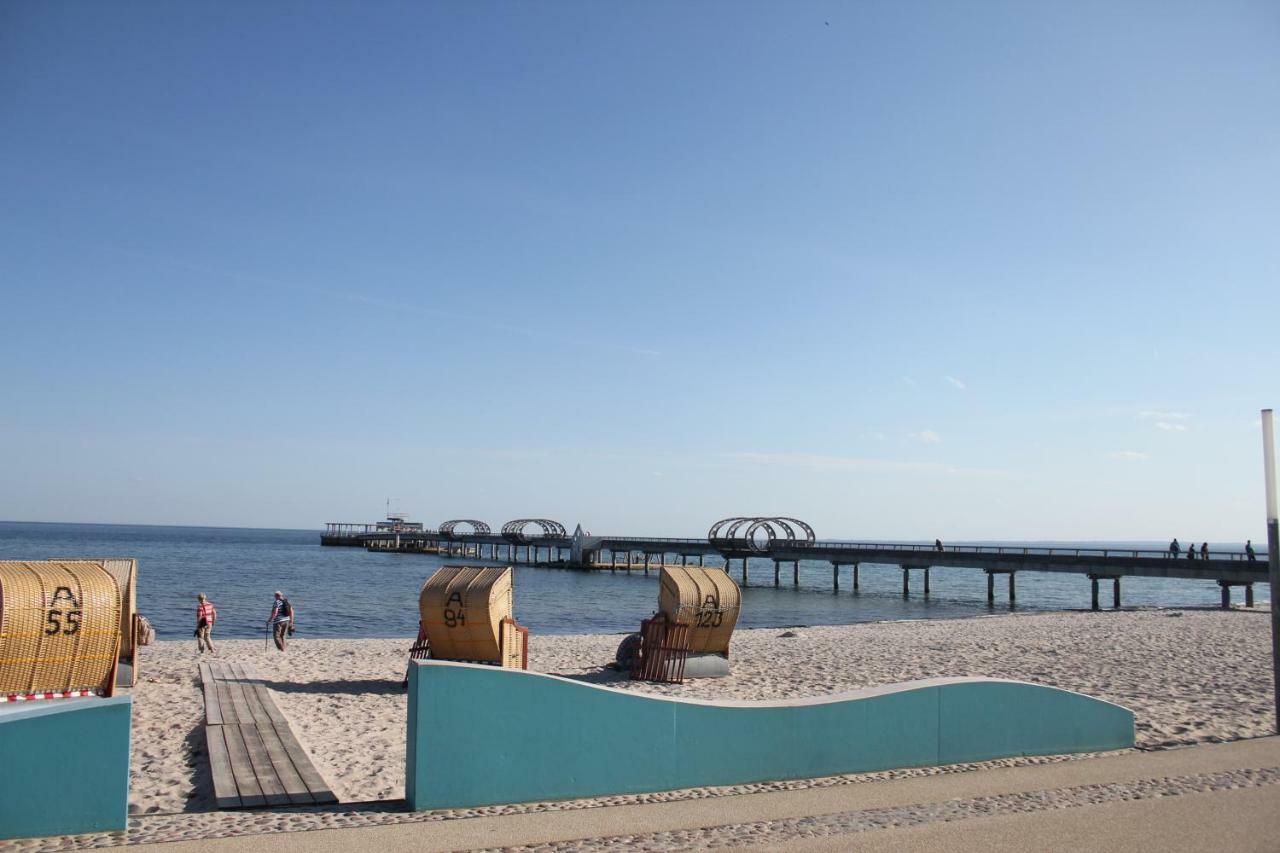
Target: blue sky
{"points": [[982, 270]]}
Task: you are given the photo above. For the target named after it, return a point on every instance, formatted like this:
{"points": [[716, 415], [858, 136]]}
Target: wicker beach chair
{"points": [[705, 599], [466, 616], [60, 628]]}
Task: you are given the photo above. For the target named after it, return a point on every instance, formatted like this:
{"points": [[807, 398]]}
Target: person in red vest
{"points": [[206, 615]]}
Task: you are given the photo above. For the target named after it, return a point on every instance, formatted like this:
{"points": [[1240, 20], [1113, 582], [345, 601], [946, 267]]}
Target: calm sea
{"points": [[349, 592]]}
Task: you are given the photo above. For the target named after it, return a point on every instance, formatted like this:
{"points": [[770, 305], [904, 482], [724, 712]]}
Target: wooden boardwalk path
{"points": [[254, 757]]}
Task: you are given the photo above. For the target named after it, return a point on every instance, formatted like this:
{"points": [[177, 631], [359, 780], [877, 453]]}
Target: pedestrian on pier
{"points": [[1191, 551], [206, 615], [937, 545], [1174, 548], [1248, 550], [1204, 550], [281, 619]]}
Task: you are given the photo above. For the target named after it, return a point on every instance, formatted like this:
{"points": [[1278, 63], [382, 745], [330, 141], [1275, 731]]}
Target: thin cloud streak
{"points": [[1129, 455], [820, 462], [960, 386]]}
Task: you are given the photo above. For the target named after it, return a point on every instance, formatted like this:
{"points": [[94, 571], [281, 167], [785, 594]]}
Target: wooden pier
{"points": [[737, 553], [254, 757]]}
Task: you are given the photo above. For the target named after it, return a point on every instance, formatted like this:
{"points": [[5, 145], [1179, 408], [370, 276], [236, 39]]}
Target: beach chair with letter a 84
{"points": [[466, 616]]}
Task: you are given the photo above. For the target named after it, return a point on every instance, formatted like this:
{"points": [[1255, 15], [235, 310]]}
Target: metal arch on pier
{"points": [[723, 529], [478, 528], [809, 536], [724, 534], [514, 530]]}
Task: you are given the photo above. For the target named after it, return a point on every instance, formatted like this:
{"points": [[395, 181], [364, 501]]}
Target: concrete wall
{"points": [[482, 735], [64, 766]]}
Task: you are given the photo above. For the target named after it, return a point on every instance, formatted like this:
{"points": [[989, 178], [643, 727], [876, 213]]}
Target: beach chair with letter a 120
{"points": [[466, 614], [705, 599], [689, 635]]}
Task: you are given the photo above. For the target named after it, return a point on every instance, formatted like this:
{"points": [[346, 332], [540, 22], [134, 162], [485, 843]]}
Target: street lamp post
{"points": [[1273, 551]]}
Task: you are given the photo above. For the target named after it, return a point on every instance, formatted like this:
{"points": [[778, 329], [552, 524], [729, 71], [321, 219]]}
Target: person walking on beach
{"points": [[1248, 550], [1174, 548], [206, 615], [1204, 550], [281, 619]]}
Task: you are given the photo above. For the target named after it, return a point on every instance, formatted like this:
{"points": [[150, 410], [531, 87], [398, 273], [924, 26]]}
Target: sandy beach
{"points": [[1190, 676]]}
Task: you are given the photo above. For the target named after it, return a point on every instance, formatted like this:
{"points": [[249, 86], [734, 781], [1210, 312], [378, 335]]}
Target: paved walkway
{"points": [[1213, 797]]}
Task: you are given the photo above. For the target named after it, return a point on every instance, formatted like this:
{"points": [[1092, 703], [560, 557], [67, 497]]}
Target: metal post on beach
{"points": [[1273, 550]]}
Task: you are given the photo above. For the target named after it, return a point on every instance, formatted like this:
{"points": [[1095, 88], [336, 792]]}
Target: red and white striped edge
{"points": [[62, 694]]}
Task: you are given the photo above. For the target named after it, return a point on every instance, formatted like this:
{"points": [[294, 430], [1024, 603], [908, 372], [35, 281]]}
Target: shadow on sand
{"points": [[196, 751], [355, 686], [359, 687], [604, 675]]}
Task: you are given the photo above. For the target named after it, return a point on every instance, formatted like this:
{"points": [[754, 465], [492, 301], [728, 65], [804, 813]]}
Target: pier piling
{"points": [[1093, 590], [991, 585], [1226, 593], [906, 576]]}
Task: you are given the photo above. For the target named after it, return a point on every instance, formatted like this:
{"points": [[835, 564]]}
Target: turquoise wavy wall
{"points": [[481, 735], [64, 766]]}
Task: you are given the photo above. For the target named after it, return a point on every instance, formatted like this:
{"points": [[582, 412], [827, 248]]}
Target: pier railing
{"points": [[1031, 550], [925, 547], [657, 540]]}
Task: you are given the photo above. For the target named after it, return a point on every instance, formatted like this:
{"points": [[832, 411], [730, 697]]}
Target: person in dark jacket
{"points": [[281, 619]]}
